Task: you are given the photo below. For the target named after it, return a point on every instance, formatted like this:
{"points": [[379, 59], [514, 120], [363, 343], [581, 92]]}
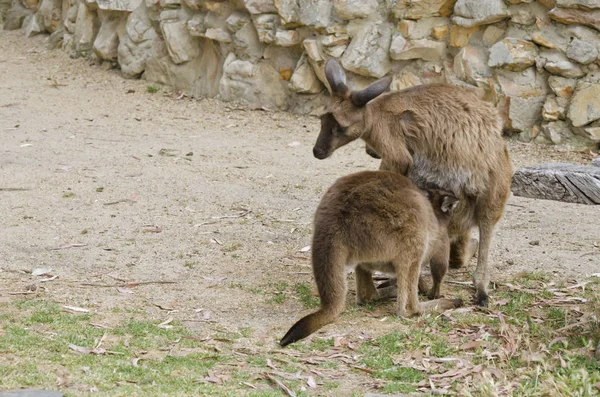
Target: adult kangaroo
{"points": [[437, 135], [377, 220]]}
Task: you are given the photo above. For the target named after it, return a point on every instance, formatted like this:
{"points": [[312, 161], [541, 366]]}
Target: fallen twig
{"points": [[130, 284], [23, 293], [367, 370], [240, 215], [64, 247], [282, 385], [13, 189]]}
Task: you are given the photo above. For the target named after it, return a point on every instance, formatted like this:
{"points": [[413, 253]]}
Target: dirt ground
{"points": [[103, 181]]}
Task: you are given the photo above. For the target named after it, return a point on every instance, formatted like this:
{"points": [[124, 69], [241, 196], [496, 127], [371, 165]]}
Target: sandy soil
{"points": [[135, 180]]}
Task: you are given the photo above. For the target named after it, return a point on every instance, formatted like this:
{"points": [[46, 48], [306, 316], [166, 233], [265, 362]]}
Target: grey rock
{"points": [[587, 17], [314, 13], [86, 29], [557, 63], [367, 54], [513, 54], [352, 9], [304, 80], [118, 5], [51, 13], [335, 51], [16, 15], [332, 40], [562, 86], [469, 13], [417, 9], [553, 110], [173, 14], [245, 37], [525, 84], [524, 113], [429, 50], [266, 27], [492, 34], [260, 6], [112, 26], [195, 25], [557, 132], [520, 14], [287, 38], [288, 10], [558, 181], [423, 28], [313, 49], [218, 34], [578, 3], [198, 77], [596, 163], [585, 104], [582, 52], [32, 25], [254, 84], [136, 44], [182, 46], [170, 3], [470, 65]]}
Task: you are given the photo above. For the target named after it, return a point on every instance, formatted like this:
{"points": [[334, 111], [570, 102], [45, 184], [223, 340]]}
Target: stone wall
{"points": [[537, 60]]}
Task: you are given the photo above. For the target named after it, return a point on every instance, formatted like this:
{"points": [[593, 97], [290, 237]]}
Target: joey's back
{"points": [[452, 137], [370, 211]]}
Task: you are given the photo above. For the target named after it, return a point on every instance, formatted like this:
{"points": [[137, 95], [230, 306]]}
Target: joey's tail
{"points": [[307, 325], [330, 276]]}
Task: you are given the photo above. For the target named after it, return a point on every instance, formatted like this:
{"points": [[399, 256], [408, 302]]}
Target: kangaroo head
{"points": [[443, 202], [343, 121]]}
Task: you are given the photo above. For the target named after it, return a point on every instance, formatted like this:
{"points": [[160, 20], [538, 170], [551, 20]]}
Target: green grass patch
{"points": [[308, 300]]}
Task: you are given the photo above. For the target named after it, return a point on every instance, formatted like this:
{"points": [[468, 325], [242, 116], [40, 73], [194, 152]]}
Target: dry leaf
{"points": [[165, 323], [74, 309], [311, 382], [305, 249], [502, 302], [135, 361], [294, 144], [250, 385], [471, 345], [42, 271], [124, 290], [270, 364], [206, 315], [79, 349], [282, 385]]}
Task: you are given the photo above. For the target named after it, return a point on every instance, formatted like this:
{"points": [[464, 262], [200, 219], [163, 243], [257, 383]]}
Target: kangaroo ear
{"points": [[449, 203], [336, 77], [360, 98]]}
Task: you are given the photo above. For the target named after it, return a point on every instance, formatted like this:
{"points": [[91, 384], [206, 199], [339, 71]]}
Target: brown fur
{"points": [[437, 135], [377, 220]]}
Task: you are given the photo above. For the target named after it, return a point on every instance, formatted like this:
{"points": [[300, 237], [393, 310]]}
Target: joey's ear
{"points": [[336, 77], [449, 203], [360, 98]]}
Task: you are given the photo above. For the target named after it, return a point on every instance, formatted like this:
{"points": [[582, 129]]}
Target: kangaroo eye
{"points": [[339, 130]]}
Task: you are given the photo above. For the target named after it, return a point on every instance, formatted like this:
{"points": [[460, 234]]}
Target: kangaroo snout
{"points": [[319, 153]]}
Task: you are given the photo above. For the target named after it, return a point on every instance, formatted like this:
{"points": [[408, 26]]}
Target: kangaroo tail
{"points": [[307, 325], [330, 276]]}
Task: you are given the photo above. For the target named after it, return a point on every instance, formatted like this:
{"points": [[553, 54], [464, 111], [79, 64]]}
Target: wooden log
{"points": [[571, 183]]}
